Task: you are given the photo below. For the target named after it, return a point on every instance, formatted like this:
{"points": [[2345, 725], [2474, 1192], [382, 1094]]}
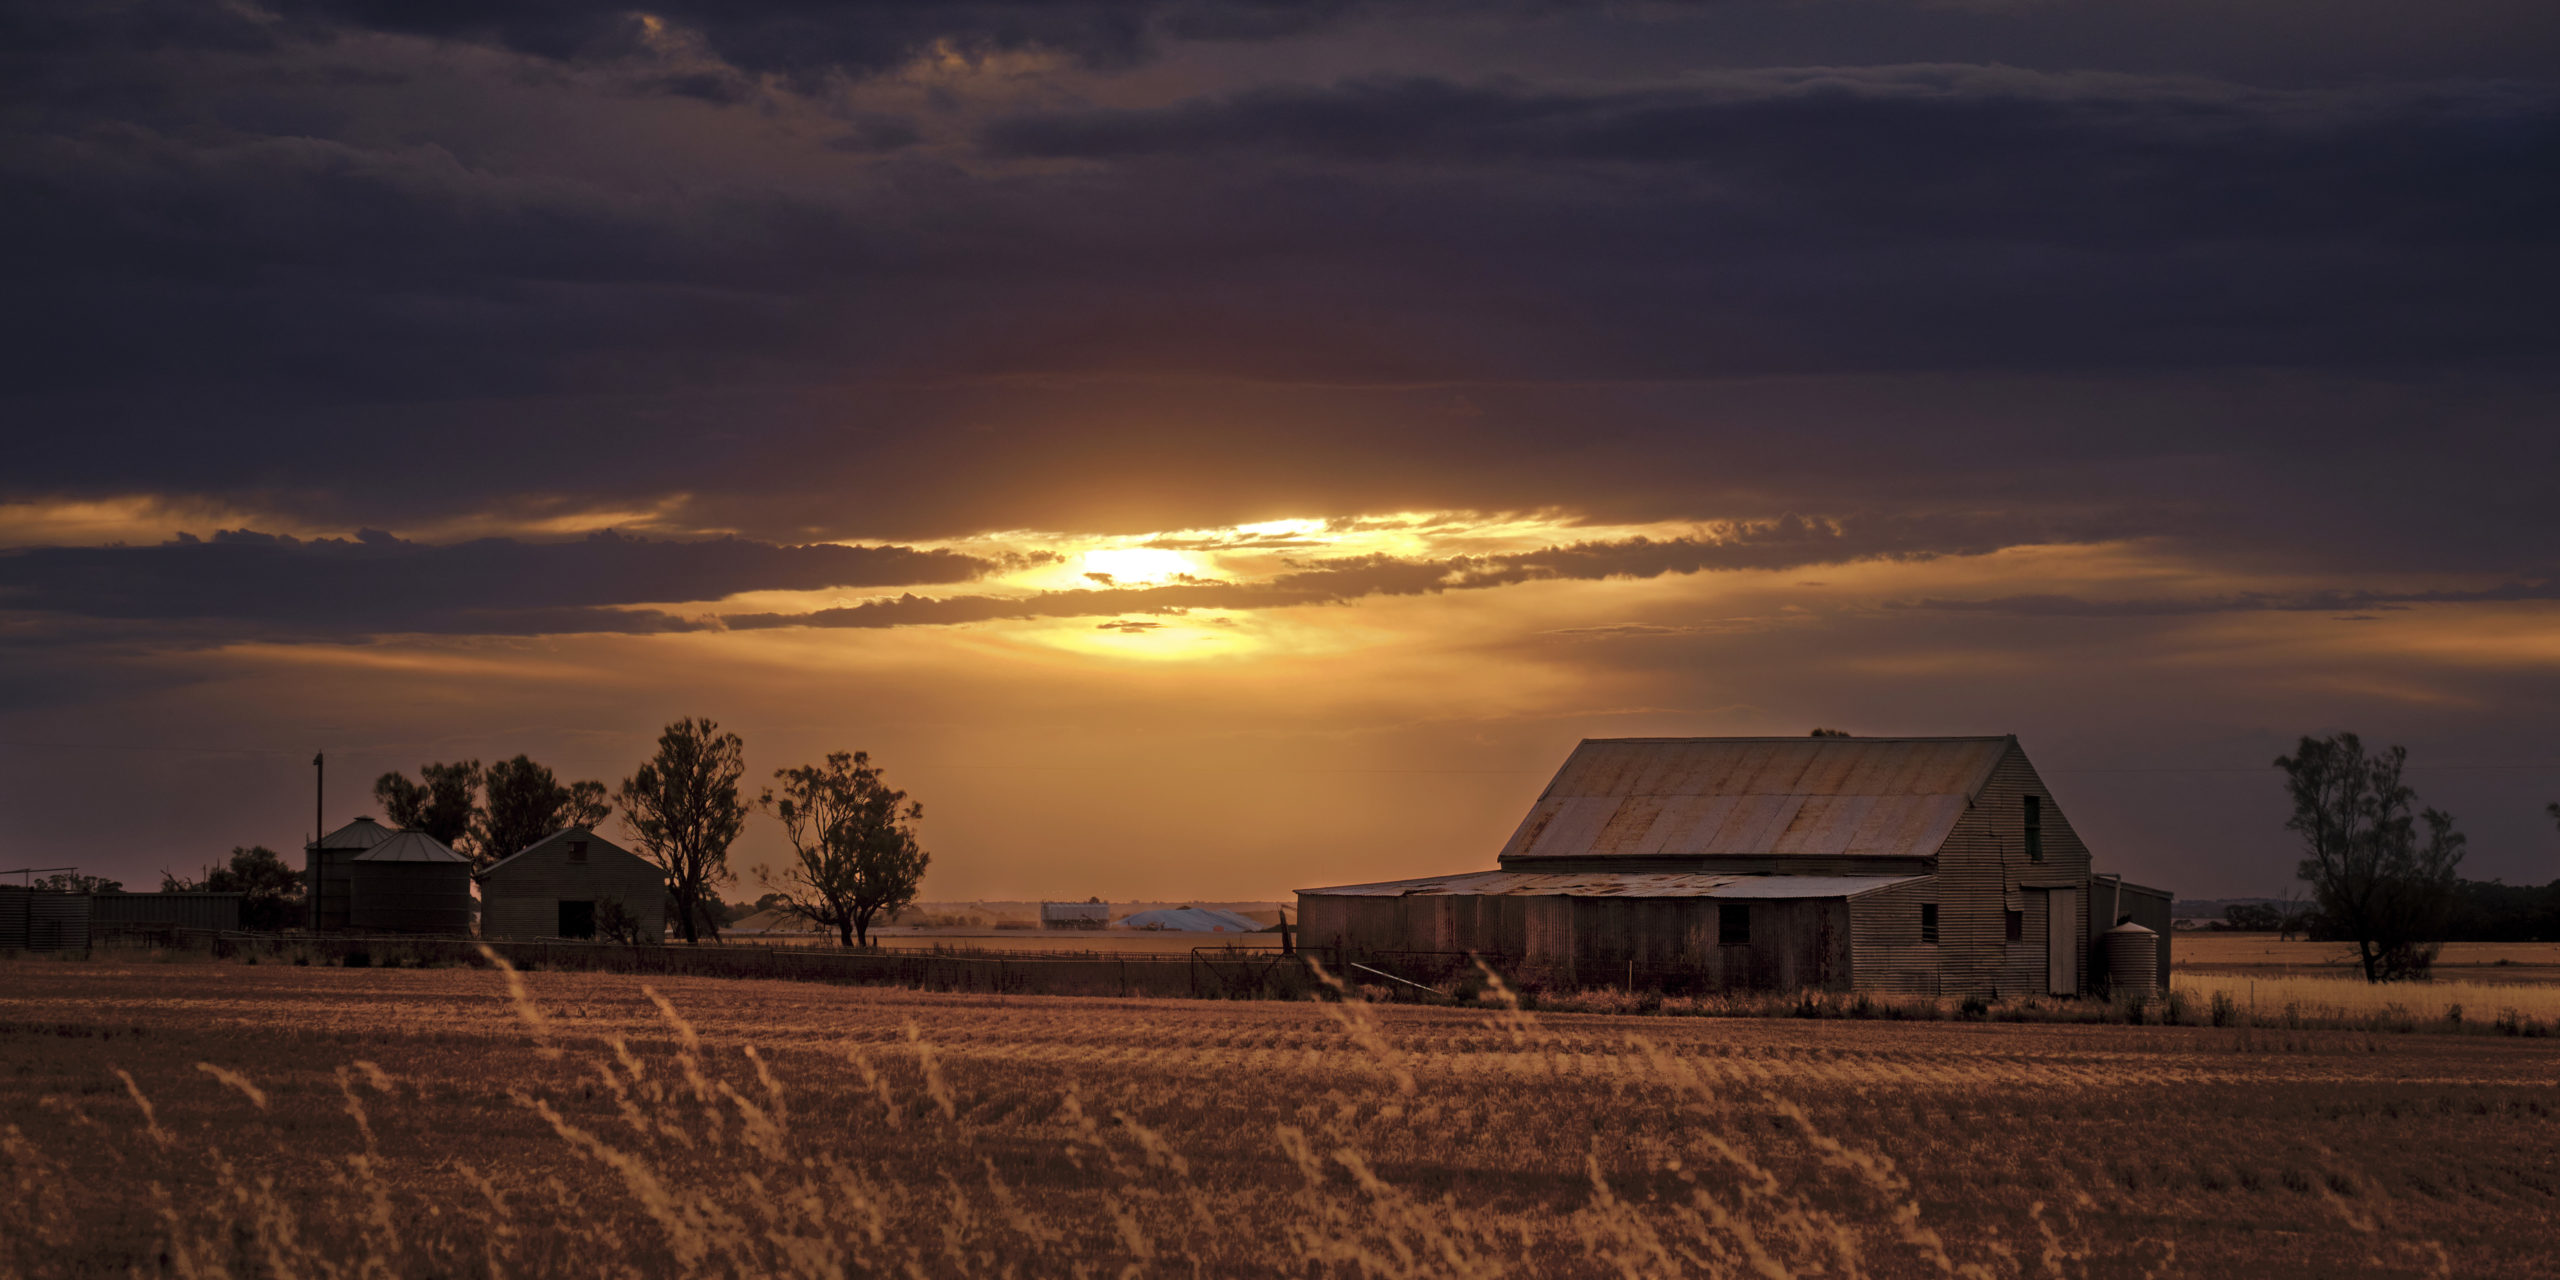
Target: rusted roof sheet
{"points": [[410, 846], [1700, 797], [1615, 884]]}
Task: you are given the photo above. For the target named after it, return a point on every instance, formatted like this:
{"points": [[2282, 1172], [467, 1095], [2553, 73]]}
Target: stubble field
{"points": [[219, 1119]]}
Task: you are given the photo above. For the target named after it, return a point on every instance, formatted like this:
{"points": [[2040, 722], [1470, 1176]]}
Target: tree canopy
{"points": [[526, 802], [271, 890], [74, 882], [682, 808], [444, 805], [2376, 881], [854, 850]]}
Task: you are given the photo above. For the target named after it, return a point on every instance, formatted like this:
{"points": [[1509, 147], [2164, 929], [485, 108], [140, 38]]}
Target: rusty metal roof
{"points": [[1616, 884], [1704, 797], [411, 846]]}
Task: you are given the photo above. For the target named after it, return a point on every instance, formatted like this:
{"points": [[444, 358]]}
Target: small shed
{"points": [[557, 886], [325, 874], [410, 883]]}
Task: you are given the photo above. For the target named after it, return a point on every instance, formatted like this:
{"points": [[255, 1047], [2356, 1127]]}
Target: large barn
{"points": [[557, 886], [1931, 865]]}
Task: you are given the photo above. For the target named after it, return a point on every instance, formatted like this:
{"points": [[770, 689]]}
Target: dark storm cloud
{"points": [[377, 583], [285, 255], [2329, 601], [1789, 542]]}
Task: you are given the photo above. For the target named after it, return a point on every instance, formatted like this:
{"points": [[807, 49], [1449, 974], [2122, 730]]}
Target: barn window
{"points": [[2035, 827], [577, 851], [2014, 927], [1733, 923], [1928, 922]]}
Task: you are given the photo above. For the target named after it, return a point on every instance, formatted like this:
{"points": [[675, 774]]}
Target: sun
{"points": [[1137, 566]]}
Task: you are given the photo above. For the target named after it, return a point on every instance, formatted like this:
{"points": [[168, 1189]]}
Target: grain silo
{"points": [[324, 870], [410, 883]]}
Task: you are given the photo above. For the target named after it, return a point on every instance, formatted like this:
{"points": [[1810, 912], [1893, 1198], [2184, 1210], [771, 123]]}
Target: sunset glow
{"points": [[1216, 449]]}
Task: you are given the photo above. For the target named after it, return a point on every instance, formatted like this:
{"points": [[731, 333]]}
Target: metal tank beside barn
{"points": [[1925, 865], [557, 886]]}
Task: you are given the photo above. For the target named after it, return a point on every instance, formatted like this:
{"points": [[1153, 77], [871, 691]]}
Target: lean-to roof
{"points": [[1616, 885]]}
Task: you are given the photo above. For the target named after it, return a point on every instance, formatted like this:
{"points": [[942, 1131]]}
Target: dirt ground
{"points": [[2266, 955], [188, 1117]]}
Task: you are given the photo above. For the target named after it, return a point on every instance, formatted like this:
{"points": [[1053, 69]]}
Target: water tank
{"points": [[2133, 959]]}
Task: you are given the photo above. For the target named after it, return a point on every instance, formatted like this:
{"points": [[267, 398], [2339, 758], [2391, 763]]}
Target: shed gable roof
{"points": [[1757, 797], [596, 844]]}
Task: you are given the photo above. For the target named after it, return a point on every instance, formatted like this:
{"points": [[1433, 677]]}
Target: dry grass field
{"points": [[2265, 955], [204, 1119]]}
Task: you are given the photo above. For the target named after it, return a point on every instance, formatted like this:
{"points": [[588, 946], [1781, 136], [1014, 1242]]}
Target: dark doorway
{"points": [[577, 919]]}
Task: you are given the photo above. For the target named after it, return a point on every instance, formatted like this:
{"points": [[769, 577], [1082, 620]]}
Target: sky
{"points": [[1207, 448]]}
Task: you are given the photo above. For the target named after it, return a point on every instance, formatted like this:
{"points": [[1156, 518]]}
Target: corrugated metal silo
{"points": [[2133, 956], [325, 873], [410, 883]]}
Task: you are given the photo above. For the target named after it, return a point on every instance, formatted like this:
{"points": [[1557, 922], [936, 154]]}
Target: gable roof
{"points": [[411, 846], [561, 836], [1757, 797], [363, 833]]}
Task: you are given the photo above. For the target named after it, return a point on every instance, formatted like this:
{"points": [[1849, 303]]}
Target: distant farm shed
{"points": [[557, 887], [409, 883], [1936, 865]]}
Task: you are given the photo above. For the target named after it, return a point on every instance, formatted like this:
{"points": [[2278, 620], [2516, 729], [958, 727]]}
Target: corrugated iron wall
{"points": [[326, 880], [1984, 872], [38, 920], [1794, 943], [409, 897], [1886, 953], [523, 899], [179, 910]]}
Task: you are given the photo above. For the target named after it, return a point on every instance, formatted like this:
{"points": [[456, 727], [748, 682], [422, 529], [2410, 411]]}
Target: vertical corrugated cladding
{"points": [[410, 897], [521, 897], [13, 915], [1984, 871], [1886, 950], [1324, 920], [331, 887]]}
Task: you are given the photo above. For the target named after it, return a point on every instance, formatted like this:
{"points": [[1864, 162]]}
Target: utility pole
{"points": [[319, 780]]}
